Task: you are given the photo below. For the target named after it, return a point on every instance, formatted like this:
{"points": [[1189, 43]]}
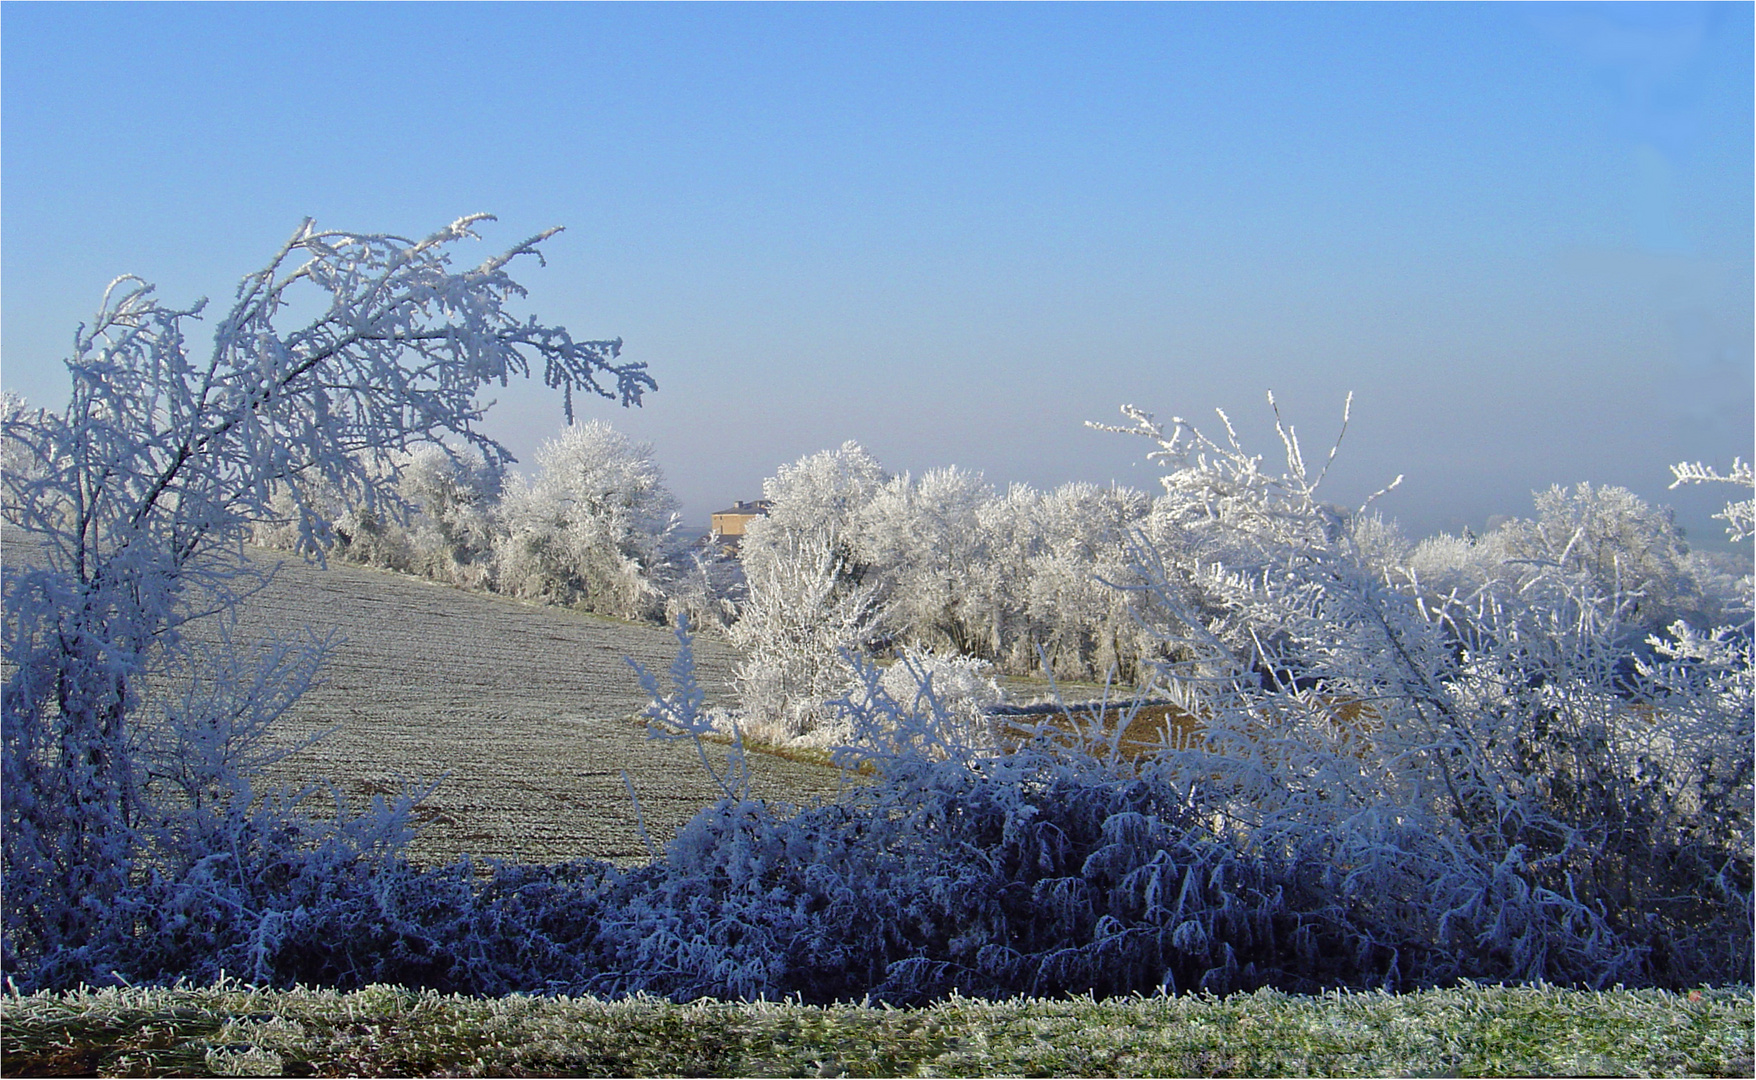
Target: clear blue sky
{"points": [[1522, 234]]}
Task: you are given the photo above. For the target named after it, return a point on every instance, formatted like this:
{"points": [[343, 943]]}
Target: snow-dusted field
{"points": [[528, 713]]}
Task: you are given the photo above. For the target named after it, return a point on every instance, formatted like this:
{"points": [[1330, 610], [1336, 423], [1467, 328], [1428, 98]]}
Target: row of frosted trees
{"points": [[594, 527], [943, 562], [850, 559], [966, 577]]}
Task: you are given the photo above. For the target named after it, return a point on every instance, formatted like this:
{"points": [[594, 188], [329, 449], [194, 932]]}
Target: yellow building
{"points": [[728, 525]]}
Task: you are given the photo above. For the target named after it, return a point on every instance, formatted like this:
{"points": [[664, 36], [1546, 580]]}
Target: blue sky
{"points": [[1522, 235]]}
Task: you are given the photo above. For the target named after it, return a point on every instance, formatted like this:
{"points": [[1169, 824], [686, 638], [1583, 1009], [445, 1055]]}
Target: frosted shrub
{"points": [[805, 615], [595, 528], [1485, 772], [926, 542], [130, 811], [811, 598], [959, 690], [452, 495], [962, 686], [1040, 872], [433, 517]]}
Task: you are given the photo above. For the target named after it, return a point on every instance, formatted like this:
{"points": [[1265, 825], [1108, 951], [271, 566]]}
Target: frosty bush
{"points": [[126, 803], [961, 689], [810, 599], [594, 528], [1484, 771], [453, 495], [438, 525], [958, 689]]}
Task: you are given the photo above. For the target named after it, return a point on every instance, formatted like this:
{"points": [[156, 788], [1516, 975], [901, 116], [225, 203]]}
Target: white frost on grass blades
{"points": [[140, 495]]}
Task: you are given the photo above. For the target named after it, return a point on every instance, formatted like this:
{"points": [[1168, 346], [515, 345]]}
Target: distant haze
{"points": [[1520, 233]]}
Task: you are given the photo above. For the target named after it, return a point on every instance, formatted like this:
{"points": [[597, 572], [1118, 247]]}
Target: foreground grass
{"points": [[384, 1031]]}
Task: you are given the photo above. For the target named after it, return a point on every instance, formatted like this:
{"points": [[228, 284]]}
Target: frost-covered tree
{"points": [[1081, 623], [1627, 548], [925, 540], [595, 527], [439, 525], [1739, 514], [823, 492], [1631, 553], [811, 597], [139, 497], [453, 495], [1017, 580], [1011, 524]]}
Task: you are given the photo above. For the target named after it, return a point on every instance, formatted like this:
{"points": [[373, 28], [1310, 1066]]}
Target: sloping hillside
{"points": [[526, 712]]}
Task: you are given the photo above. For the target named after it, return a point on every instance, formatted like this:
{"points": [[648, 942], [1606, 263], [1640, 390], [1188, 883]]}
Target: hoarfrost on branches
{"points": [[1482, 766], [139, 496], [810, 600], [1739, 514], [595, 527]]}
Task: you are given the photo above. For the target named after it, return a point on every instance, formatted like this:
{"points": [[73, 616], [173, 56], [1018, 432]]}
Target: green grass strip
{"points": [[385, 1031]]}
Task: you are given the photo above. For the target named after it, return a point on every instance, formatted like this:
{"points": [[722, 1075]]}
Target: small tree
{"points": [[141, 493], [925, 540], [810, 595], [596, 526]]}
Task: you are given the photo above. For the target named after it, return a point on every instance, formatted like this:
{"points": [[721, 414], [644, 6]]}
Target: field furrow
{"points": [[526, 716]]}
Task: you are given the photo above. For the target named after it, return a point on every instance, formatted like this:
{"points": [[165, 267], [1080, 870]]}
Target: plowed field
{"points": [[525, 714]]}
